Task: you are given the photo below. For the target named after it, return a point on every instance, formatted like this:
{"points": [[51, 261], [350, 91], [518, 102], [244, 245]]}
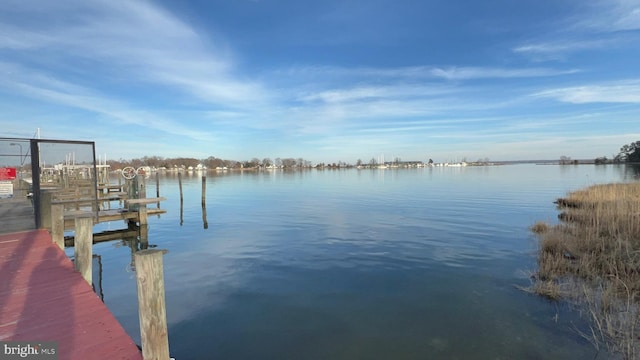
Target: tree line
{"points": [[629, 153], [211, 162]]}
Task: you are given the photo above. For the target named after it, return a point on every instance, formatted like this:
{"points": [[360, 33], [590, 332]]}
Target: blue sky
{"points": [[324, 80]]}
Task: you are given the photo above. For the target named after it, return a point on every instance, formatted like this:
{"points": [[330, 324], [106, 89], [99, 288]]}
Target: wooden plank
{"points": [[104, 236], [110, 197], [144, 201], [42, 297], [108, 215]]}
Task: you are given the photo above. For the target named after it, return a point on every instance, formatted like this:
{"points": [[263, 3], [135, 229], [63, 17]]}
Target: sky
{"points": [[328, 81]]}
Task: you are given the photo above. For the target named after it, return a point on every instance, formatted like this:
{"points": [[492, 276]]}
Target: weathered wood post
{"points": [[83, 246], [157, 184], [57, 224], [142, 215], [158, 189], [151, 304], [142, 187], [144, 237], [180, 186], [205, 223], [45, 208], [142, 194], [204, 189]]}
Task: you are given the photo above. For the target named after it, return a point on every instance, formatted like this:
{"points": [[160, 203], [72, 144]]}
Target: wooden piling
{"points": [[157, 184], [142, 215], [83, 246], [57, 224], [158, 189], [180, 186], [204, 189], [205, 223], [151, 304], [45, 208], [142, 187], [143, 233]]}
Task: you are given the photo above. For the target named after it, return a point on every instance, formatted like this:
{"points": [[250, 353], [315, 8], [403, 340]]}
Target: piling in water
{"points": [[151, 304], [83, 246], [204, 189]]}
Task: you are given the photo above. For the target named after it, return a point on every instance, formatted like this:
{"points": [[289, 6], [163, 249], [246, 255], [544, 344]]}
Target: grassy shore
{"points": [[592, 258]]}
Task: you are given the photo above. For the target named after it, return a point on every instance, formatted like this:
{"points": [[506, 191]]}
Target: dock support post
{"points": [[158, 189], [157, 184], [204, 189], [151, 304], [57, 224], [180, 186], [142, 215], [45, 208], [181, 198], [144, 237], [83, 245], [142, 187]]}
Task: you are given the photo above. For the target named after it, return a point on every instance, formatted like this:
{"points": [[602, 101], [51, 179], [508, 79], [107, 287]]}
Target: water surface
{"points": [[344, 264]]}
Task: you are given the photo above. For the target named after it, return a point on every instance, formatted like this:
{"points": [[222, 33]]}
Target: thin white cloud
{"points": [[427, 72], [611, 16], [465, 73], [558, 50], [44, 87], [375, 92], [616, 92], [134, 41], [601, 24]]}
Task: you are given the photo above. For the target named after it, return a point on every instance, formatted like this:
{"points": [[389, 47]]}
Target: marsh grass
{"points": [[592, 258]]}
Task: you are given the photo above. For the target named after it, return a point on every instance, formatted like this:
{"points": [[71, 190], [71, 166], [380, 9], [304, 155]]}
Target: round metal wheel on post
{"points": [[142, 172], [128, 172]]}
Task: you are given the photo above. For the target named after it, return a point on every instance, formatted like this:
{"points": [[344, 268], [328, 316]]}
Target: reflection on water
{"points": [[410, 263], [632, 172]]}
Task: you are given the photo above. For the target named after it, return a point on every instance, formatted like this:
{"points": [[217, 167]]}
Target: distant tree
{"points": [[601, 160], [359, 162], [278, 162], [565, 160], [266, 162], [373, 162], [630, 152], [430, 162], [289, 162]]}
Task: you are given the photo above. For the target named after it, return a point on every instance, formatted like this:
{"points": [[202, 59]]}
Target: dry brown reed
{"points": [[597, 245]]}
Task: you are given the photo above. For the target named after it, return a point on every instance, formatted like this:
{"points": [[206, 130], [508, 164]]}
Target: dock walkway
{"points": [[42, 298]]}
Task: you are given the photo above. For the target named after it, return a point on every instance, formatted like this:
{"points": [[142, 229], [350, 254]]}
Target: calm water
{"points": [[357, 264]]}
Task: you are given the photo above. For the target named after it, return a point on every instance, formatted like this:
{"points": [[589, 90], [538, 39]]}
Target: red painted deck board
{"points": [[42, 298]]}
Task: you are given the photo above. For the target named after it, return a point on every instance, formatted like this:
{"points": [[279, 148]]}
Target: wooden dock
{"points": [[42, 298]]}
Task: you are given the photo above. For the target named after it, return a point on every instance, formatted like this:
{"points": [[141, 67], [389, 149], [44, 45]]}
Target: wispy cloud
{"points": [[616, 92], [601, 24], [427, 72], [558, 50], [135, 42], [610, 16], [43, 87]]}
